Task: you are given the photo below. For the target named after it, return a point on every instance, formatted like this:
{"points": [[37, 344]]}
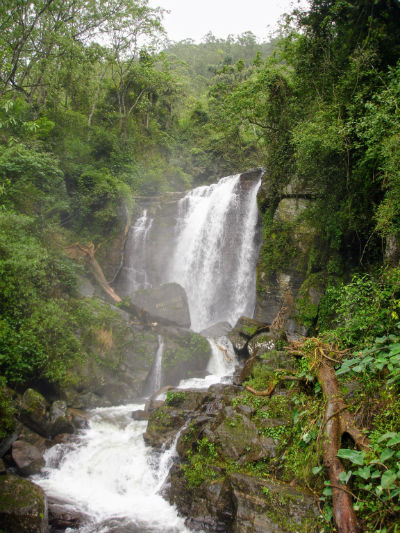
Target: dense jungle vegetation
{"points": [[97, 107]]}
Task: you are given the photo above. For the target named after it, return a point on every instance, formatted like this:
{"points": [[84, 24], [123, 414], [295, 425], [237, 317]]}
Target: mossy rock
{"points": [[270, 506], [33, 412], [23, 506], [186, 354]]}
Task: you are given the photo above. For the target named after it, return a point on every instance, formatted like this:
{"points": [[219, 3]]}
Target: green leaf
{"points": [[364, 472], [394, 440], [386, 436], [388, 478], [345, 476], [394, 348], [385, 455], [316, 470], [354, 456]]}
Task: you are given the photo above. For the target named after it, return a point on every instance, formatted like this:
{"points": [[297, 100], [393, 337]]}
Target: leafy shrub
{"points": [[365, 308]]}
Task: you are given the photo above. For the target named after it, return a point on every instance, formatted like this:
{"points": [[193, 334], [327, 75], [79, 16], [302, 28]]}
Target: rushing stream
{"points": [[106, 472]]}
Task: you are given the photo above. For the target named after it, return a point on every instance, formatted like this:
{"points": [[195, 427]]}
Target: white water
{"points": [[108, 472], [110, 475], [155, 378], [215, 252], [134, 275]]}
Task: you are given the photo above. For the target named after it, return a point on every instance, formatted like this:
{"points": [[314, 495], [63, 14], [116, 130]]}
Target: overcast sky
{"points": [[194, 18]]}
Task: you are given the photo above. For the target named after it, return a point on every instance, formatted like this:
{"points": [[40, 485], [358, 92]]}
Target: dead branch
{"points": [[78, 251], [267, 392], [337, 421]]}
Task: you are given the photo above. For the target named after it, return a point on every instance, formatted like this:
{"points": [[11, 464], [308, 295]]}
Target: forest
{"points": [[98, 108]]}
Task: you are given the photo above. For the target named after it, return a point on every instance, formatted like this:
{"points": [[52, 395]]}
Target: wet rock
{"points": [[79, 419], [244, 329], [59, 419], [208, 507], [268, 506], [28, 459], [166, 304], [186, 354], [240, 440], [261, 344], [221, 329], [23, 506], [6, 443], [27, 435], [163, 425], [140, 415], [33, 412], [62, 517]]}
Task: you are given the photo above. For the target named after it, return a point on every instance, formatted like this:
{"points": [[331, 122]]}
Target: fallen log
{"points": [[77, 251], [337, 421]]}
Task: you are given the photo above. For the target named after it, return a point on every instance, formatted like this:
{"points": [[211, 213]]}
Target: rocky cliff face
{"points": [[286, 284], [229, 476]]}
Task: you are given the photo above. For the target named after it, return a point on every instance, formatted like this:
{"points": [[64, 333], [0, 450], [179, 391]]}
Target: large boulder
{"points": [[123, 355], [186, 355], [166, 304], [23, 506], [27, 457]]}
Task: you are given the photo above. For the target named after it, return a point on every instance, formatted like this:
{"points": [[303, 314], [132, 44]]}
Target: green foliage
{"points": [[364, 308], [7, 409], [381, 359], [199, 467], [376, 478], [175, 398]]}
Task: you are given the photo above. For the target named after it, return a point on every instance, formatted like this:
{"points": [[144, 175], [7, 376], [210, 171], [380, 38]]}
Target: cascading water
{"points": [[110, 476], [107, 473], [215, 251], [133, 274], [155, 378]]}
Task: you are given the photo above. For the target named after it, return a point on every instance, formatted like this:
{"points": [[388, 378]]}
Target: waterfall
{"points": [[133, 274], [109, 475], [107, 472], [155, 378], [215, 251]]}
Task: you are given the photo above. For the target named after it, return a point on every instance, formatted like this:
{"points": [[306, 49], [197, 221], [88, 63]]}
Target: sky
{"points": [[194, 18]]}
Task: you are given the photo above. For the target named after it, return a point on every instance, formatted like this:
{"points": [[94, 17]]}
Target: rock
{"points": [[208, 507], [6, 443], [118, 369], [31, 437], [163, 425], [23, 506], [140, 415], [33, 412], [79, 419], [240, 440], [268, 506], [166, 304], [28, 459], [185, 354], [261, 344], [85, 287], [252, 175], [59, 420], [244, 329], [289, 209], [61, 518], [221, 329]]}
